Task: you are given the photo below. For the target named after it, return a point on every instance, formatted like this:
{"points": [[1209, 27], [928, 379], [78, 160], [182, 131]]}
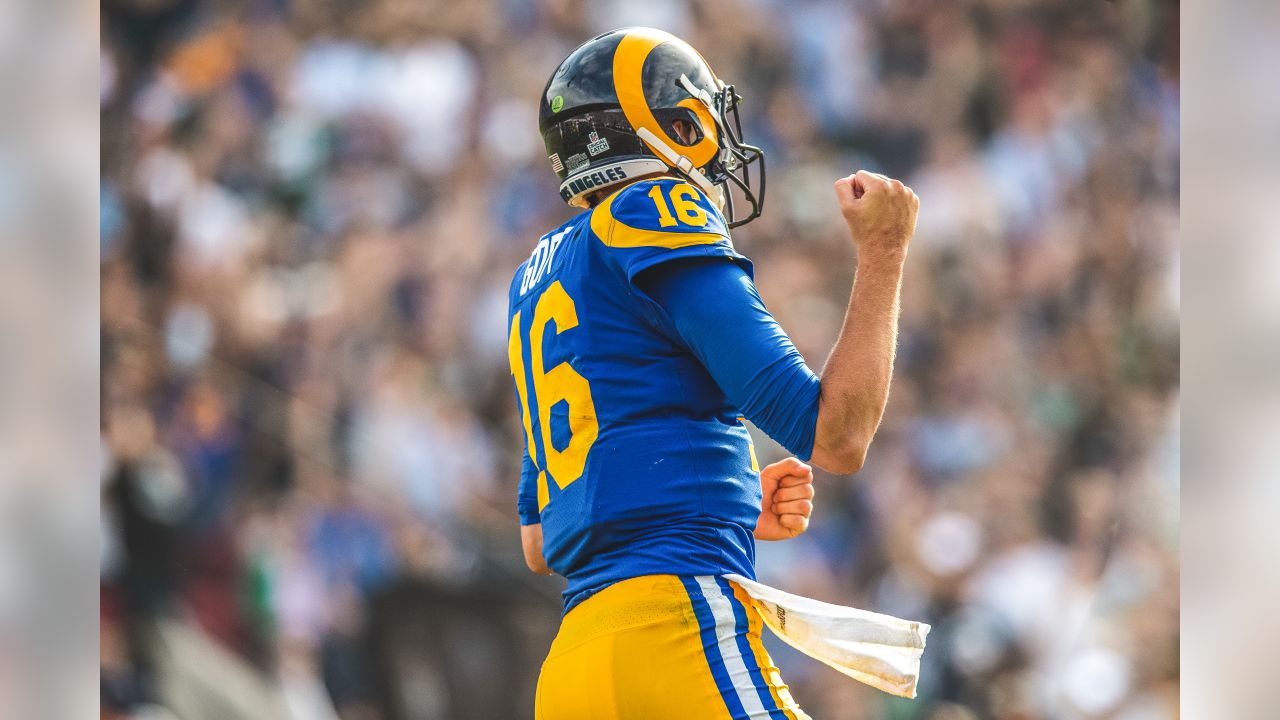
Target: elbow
{"points": [[845, 459], [844, 433], [849, 461]]}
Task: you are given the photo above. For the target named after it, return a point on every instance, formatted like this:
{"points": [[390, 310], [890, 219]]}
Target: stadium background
{"points": [[310, 210]]}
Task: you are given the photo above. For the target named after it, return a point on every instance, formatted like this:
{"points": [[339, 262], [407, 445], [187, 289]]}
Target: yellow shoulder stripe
{"points": [[615, 233]]}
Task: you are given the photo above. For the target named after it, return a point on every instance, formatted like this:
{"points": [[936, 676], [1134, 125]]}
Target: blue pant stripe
{"points": [[711, 647], [742, 627]]}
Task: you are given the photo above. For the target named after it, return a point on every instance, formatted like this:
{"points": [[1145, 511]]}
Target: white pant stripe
{"points": [[726, 638]]}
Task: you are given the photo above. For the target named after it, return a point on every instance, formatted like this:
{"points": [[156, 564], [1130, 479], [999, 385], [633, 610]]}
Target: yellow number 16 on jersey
{"points": [[561, 382]]}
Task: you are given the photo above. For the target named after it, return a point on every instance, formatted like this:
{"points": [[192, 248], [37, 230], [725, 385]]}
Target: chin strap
{"points": [[678, 161], [699, 93]]}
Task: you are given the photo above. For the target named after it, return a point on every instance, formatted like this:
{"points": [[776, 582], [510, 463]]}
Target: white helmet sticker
{"points": [[576, 161], [597, 144]]}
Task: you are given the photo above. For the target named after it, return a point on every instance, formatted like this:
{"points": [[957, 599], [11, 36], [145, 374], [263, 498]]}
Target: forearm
{"points": [[531, 546], [855, 380]]}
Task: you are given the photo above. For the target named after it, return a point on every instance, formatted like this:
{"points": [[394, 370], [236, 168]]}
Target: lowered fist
{"points": [[787, 486]]}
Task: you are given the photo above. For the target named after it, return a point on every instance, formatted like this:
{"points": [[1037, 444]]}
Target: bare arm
{"points": [[881, 214], [531, 543]]}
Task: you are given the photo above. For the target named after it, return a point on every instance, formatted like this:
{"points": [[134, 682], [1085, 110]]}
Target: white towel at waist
{"points": [[879, 650]]}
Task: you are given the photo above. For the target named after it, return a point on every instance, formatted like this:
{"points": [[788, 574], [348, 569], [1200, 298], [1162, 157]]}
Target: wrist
{"points": [[888, 258]]}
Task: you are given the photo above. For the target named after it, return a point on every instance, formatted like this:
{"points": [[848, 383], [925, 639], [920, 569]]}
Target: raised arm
{"points": [[881, 214]]}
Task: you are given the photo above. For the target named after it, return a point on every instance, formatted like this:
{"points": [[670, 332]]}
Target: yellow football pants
{"points": [[663, 646]]}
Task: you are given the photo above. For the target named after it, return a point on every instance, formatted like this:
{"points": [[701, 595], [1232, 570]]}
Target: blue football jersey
{"points": [[635, 462]]}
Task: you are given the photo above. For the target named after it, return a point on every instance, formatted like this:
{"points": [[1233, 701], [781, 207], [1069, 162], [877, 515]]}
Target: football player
{"points": [[638, 345]]}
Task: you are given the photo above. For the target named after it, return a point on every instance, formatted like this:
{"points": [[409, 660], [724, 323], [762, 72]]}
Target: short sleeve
{"points": [[660, 220], [718, 314]]}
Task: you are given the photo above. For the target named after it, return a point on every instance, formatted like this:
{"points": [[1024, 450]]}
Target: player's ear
{"points": [[685, 132]]}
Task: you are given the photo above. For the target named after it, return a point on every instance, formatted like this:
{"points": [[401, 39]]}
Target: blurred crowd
{"points": [[310, 214]]}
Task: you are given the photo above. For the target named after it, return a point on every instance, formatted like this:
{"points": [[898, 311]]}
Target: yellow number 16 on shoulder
{"points": [[684, 201]]}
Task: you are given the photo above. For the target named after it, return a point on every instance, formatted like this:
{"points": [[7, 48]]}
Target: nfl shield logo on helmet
{"points": [[597, 144]]}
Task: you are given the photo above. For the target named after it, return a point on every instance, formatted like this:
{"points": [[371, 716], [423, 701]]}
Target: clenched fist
{"points": [[787, 486], [881, 212]]}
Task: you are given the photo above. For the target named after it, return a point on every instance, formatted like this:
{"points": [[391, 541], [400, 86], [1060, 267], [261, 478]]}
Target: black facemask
{"points": [[736, 158]]}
